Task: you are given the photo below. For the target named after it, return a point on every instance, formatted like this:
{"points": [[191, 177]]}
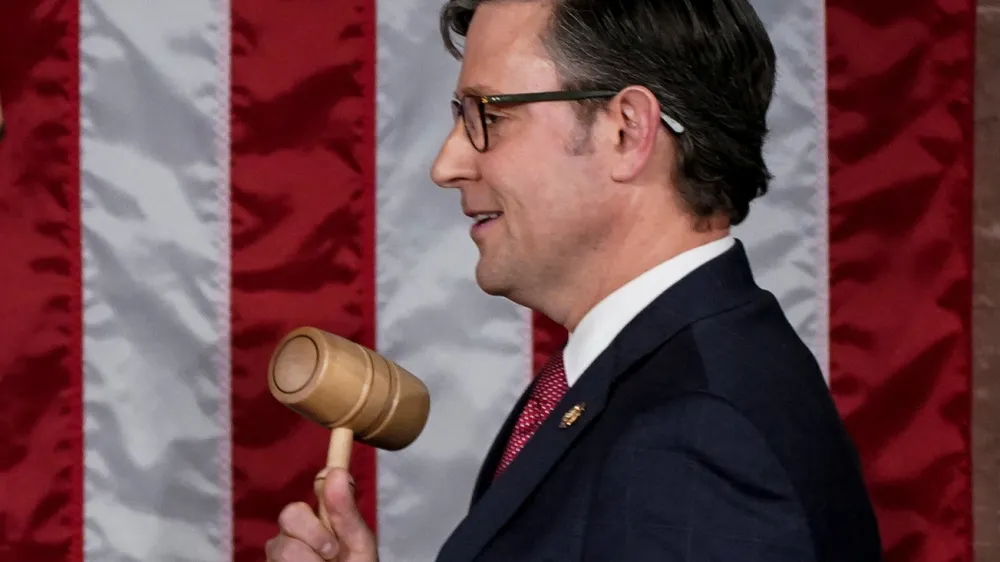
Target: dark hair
{"points": [[710, 63]]}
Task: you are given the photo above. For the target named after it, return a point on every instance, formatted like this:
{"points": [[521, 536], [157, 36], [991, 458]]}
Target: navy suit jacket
{"points": [[707, 433]]}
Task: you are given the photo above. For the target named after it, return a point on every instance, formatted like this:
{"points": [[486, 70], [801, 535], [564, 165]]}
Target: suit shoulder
{"points": [[748, 367]]}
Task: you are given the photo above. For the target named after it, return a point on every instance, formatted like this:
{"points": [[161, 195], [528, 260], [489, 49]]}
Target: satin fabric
{"points": [[785, 233], [41, 429], [901, 79], [303, 235], [154, 196]]}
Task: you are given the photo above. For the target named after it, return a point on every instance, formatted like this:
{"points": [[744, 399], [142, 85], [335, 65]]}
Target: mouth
{"points": [[483, 218], [482, 222]]}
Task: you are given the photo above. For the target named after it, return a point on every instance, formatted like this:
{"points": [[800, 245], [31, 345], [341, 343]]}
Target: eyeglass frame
{"points": [[561, 95]]}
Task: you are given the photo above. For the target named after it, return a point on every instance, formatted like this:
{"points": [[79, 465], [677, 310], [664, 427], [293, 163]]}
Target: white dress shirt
{"points": [[603, 322]]}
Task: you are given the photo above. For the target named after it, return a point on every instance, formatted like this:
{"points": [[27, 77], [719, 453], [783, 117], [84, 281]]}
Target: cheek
{"points": [[550, 210], [546, 193]]}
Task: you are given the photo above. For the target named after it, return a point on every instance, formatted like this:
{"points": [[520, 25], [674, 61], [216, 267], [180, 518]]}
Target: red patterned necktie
{"points": [[545, 395]]}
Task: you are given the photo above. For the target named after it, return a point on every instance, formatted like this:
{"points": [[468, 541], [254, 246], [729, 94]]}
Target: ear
{"points": [[636, 117]]}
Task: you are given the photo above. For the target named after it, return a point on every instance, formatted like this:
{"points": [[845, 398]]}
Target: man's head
{"points": [[671, 138]]}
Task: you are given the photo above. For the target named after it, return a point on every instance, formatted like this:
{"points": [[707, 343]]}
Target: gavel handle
{"points": [[337, 456]]}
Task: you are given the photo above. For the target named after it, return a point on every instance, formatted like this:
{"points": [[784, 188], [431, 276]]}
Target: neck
{"points": [[616, 264]]}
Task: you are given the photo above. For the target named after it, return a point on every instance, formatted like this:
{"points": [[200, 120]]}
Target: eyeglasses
{"points": [[472, 110]]}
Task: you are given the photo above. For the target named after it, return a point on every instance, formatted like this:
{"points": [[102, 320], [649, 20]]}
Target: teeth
{"points": [[482, 217]]}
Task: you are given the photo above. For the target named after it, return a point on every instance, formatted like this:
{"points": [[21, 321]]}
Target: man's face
{"points": [[548, 183]]}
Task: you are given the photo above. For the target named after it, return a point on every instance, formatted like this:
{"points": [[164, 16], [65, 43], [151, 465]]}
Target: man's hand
{"points": [[303, 538]]}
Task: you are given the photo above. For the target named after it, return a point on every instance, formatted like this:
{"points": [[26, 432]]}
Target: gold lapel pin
{"points": [[570, 417]]}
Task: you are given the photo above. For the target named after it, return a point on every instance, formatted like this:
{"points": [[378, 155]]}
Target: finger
{"points": [[287, 549], [299, 522], [346, 520]]}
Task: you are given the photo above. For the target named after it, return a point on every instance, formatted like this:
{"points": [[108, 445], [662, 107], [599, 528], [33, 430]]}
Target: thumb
{"points": [[345, 519]]}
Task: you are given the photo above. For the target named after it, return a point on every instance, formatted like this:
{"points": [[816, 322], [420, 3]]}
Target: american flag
{"points": [[182, 183]]}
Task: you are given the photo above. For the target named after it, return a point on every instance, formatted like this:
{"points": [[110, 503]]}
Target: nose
{"points": [[456, 161]]}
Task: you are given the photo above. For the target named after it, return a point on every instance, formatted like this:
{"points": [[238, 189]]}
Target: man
{"points": [[604, 149]]}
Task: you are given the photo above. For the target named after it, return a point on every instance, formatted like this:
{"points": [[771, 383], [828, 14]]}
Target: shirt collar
{"points": [[603, 322]]}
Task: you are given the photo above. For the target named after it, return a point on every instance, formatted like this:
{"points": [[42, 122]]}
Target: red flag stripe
{"points": [[901, 136], [41, 372], [303, 241]]}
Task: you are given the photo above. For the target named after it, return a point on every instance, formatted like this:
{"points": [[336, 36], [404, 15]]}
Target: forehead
{"points": [[503, 51]]}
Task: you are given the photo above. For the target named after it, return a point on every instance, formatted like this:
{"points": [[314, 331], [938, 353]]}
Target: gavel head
{"points": [[338, 383]]}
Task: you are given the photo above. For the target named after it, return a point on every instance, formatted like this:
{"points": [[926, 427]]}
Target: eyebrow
{"points": [[476, 90]]}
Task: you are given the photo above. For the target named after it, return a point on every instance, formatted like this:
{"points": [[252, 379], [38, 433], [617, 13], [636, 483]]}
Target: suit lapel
{"points": [[498, 499], [721, 284]]}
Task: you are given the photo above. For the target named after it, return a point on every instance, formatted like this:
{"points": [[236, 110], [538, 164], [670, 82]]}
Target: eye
{"points": [[492, 118]]}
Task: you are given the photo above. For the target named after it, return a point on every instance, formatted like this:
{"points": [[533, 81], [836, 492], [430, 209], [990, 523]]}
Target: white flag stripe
{"points": [[155, 215], [473, 351], [786, 233]]}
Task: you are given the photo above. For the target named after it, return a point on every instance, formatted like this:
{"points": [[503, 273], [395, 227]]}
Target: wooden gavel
{"points": [[353, 391]]}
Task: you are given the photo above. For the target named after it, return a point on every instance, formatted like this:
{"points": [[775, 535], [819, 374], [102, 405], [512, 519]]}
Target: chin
{"points": [[491, 281], [490, 287]]}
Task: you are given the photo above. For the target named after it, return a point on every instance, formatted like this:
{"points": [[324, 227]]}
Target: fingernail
{"points": [[326, 550]]}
